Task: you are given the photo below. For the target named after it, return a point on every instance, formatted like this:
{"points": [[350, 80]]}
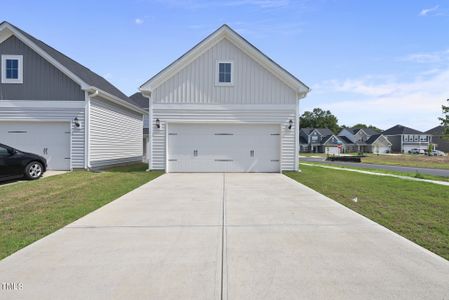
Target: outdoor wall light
{"points": [[158, 123], [290, 124], [76, 122]]}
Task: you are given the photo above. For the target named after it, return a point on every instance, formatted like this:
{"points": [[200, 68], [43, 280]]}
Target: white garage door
{"points": [[381, 149], [332, 150], [48, 139], [223, 148]]}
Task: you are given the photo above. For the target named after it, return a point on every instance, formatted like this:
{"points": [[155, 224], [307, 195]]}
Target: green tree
{"points": [[318, 118], [445, 119]]}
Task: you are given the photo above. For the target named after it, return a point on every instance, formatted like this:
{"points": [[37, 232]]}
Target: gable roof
{"points": [[368, 131], [400, 129], [87, 79], [345, 140], [375, 137], [139, 100], [321, 131], [226, 32], [325, 139], [439, 130]]}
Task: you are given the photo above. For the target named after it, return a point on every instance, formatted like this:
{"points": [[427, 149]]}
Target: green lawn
{"points": [[418, 211], [408, 174], [31, 210], [409, 160]]}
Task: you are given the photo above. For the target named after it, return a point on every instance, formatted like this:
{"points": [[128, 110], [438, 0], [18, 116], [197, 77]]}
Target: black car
{"points": [[18, 164]]}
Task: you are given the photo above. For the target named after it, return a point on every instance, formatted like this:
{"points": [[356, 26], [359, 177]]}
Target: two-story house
{"points": [[319, 140], [439, 139], [364, 140], [403, 139]]}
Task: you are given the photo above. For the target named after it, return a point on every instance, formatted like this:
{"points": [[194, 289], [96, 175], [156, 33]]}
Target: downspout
{"points": [[150, 130]]}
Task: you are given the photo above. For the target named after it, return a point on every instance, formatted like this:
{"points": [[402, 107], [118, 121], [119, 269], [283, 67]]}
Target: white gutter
{"points": [[112, 98]]}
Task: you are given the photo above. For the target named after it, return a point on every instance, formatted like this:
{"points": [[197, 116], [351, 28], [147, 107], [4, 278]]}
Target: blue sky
{"points": [[373, 61]]}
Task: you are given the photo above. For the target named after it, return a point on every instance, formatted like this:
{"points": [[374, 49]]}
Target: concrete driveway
{"points": [[281, 240]]}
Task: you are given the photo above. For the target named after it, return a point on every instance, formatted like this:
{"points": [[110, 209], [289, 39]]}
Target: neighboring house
{"points": [[224, 106], [319, 140], [53, 106], [364, 140], [403, 139], [440, 141], [143, 103]]}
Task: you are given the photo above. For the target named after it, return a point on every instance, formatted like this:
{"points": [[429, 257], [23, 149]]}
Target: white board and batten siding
{"points": [[260, 96], [116, 134], [195, 84], [46, 113]]}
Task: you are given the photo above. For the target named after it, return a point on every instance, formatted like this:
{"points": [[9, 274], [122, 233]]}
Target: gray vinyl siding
{"points": [[41, 80], [46, 114], [280, 115], [195, 83], [116, 134], [395, 141]]}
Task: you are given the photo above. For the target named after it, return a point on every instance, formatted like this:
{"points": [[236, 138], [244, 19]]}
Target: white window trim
{"points": [[217, 73], [20, 62]]}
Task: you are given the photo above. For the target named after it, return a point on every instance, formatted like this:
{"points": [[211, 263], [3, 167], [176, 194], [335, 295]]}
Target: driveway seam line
{"points": [[222, 236]]}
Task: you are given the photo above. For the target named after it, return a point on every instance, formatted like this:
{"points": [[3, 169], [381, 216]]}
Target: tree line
{"points": [[319, 118]]}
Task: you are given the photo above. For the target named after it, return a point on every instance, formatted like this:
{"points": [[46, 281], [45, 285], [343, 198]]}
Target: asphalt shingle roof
{"points": [[399, 129], [139, 100], [345, 140], [322, 131], [373, 138]]}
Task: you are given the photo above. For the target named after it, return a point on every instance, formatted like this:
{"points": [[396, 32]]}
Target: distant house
{"points": [[364, 140], [139, 100], [403, 138], [319, 140], [441, 143]]}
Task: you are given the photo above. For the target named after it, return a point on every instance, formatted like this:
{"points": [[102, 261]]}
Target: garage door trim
{"points": [[35, 120], [224, 122]]}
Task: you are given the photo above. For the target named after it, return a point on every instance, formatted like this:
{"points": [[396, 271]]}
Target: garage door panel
{"points": [[223, 148], [48, 139]]}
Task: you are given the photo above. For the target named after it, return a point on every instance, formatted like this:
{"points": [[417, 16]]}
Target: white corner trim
{"points": [[19, 58]]}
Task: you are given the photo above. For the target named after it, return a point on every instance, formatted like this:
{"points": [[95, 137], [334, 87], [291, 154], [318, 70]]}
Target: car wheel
{"points": [[34, 170]]}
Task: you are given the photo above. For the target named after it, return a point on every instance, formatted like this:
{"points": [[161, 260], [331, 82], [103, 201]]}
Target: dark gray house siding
{"points": [[395, 141], [41, 80]]}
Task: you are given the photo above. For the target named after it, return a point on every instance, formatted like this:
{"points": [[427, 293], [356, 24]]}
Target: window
{"points": [[12, 68], [416, 138], [224, 73], [423, 138], [4, 152], [405, 138]]}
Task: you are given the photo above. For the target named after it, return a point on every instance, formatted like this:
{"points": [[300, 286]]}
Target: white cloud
{"points": [[429, 11], [139, 21], [431, 57], [416, 103]]}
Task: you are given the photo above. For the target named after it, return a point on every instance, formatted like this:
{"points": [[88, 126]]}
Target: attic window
{"points": [[12, 68], [224, 73]]}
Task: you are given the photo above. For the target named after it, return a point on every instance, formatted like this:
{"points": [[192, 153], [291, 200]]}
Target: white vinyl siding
{"points": [[280, 115], [251, 83], [115, 134], [43, 113]]}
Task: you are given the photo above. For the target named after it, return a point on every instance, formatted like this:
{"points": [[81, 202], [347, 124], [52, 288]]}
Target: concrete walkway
{"points": [[281, 240], [428, 171]]}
